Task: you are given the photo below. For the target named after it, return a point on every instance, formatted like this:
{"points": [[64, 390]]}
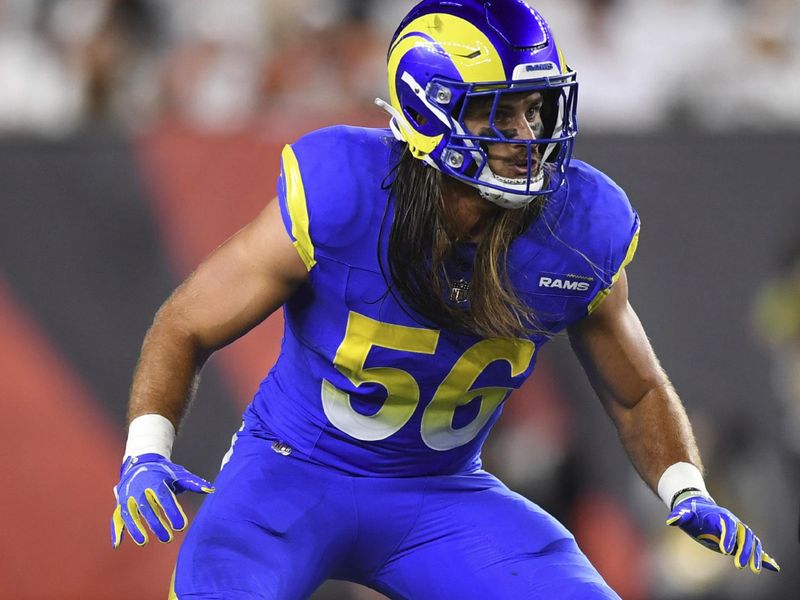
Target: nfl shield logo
{"points": [[460, 291]]}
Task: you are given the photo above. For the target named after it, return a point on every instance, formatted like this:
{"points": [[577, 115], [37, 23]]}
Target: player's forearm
{"points": [[167, 371], [656, 433]]}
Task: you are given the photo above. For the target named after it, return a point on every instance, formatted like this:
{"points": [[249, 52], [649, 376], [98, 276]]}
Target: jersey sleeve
{"points": [[612, 213], [623, 255], [294, 206], [326, 190], [598, 234]]}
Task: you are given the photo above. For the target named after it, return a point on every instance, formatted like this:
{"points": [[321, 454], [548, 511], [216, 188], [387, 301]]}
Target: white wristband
{"points": [[678, 478], [150, 434]]}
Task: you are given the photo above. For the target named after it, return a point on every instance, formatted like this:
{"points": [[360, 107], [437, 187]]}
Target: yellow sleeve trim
{"points": [[298, 209], [628, 258], [172, 595]]}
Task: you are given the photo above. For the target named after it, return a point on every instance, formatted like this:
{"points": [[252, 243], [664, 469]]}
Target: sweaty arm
{"points": [[239, 285], [655, 431]]}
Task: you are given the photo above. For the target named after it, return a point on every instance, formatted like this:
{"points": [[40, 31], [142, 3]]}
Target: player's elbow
{"points": [[174, 321]]}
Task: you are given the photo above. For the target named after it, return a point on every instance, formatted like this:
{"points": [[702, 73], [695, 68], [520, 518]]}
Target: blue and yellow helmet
{"points": [[444, 54]]}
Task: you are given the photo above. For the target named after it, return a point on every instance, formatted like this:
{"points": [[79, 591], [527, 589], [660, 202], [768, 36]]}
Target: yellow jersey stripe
{"points": [[298, 209], [628, 258], [172, 595]]}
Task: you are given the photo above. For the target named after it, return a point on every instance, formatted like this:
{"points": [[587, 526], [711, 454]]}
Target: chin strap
{"points": [[395, 117], [403, 132]]}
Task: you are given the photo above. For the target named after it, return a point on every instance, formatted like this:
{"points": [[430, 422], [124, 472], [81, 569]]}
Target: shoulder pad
{"points": [[330, 189]]}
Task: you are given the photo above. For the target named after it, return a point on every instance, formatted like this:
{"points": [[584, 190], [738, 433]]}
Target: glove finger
{"points": [[680, 517], [171, 507], [769, 563], [189, 482], [154, 515], [755, 559], [117, 525], [744, 546], [133, 521], [727, 535]]}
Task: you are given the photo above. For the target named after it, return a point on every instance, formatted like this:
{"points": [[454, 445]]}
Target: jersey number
{"points": [[402, 389]]}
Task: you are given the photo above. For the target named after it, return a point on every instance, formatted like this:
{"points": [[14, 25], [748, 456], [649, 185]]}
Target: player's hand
{"points": [[719, 529], [146, 492]]}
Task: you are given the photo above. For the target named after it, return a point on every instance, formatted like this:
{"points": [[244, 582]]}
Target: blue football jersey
{"points": [[362, 384]]}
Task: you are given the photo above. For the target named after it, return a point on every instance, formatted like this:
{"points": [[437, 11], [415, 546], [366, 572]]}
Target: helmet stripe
{"points": [[562, 60], [472, 54], [471, 51], [419, 143]]}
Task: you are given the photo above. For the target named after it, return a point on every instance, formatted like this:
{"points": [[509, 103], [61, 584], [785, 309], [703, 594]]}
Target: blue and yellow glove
{"points": [[146, 489], [719, 529]]}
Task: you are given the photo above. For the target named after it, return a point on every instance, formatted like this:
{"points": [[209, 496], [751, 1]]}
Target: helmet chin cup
{"points": [[515, 195], [505, 199]]}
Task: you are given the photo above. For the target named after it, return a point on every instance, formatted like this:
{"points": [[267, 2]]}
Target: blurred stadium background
{"points": [[136, 135]]}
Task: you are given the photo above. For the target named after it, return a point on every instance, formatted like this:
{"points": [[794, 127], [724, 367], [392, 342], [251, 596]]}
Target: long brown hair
{"points": [[419, 249]]}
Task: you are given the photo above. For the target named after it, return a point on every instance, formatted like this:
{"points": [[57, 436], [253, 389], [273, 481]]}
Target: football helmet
{"points": [[446, 55]]}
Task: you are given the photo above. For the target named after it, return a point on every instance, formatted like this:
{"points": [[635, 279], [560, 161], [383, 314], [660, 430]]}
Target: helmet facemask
{"points": [[538, 157], [467, 155]]}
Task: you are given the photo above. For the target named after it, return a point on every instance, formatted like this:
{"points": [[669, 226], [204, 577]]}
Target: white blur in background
{"points": [[707, 65]]}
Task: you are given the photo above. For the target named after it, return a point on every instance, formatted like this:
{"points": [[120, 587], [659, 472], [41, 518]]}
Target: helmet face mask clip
{"points": [[445, 59]]}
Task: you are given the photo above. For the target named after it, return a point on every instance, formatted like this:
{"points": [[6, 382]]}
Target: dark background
{"points": [[96, 230]]}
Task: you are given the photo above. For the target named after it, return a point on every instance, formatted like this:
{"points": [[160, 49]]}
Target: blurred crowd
{"points": [[222, 65]]}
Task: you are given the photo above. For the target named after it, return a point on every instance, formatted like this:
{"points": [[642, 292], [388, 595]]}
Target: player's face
{"points": [[518, 117]]}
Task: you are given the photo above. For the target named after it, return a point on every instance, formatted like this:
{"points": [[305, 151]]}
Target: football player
{"points": [[420, 270]]}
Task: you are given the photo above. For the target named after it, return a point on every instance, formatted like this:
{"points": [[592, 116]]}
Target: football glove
{"points": [[719, 529], [146, 492]]}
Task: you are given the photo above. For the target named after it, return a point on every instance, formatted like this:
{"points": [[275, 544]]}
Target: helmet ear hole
{"points": [[419, 119]]}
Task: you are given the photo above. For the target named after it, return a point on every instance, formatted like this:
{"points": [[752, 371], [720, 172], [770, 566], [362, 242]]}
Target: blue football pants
{"points": [[278, 526]]}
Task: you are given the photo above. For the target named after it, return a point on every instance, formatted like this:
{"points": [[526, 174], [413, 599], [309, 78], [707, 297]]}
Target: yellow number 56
{"points": [[402, 390]]}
